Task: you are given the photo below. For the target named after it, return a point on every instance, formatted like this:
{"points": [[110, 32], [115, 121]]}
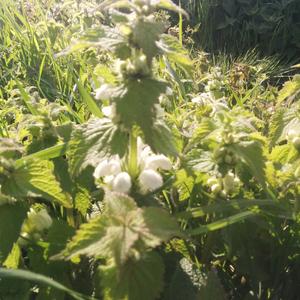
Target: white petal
{"points": [[107, 167], [103, 92], [102, 169], [122, 183], [155, 162], [150, 180], [40, 220]]}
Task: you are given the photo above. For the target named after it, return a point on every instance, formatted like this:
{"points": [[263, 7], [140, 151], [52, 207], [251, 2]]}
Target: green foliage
{"points": [[270, 25], [92, 141], [35, 179], [12, 217]]}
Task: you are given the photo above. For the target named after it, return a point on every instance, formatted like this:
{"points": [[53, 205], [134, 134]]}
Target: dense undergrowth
{"points": [[235, 26], [134, 166]]}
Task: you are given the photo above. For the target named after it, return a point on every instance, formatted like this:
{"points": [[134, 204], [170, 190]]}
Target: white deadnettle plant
{"points": [[114, 175]]}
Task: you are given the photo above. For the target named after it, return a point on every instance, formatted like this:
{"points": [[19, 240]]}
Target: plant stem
{"points": [[133, 155]]}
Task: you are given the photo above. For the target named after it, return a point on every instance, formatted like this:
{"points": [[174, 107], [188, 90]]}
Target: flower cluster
{"points": [[224, 186], [113, 174]]}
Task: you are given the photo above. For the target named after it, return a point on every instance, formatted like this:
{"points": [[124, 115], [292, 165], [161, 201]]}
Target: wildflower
{"points": [[103, 92], [108, 167], [122, 183], [150, 180], [158, 162]]}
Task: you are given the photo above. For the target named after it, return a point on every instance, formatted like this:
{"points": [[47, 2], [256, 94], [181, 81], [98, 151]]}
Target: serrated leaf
{"points": [[11, 220], [251, 152], [136, 106], [282, 121], [291, 89], [213, 288], [145, 34], [121, 230], [161, 226], [112, 234], [35, 178], [184, 184], [10, 148], [172, 48], [161, 139], [93, 140], [136, 280]]}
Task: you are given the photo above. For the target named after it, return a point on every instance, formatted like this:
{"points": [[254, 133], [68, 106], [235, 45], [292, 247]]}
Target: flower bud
{"points": [[150, 180], [122, 183]]}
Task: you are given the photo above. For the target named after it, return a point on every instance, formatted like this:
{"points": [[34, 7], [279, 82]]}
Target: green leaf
{"points": [[136, 280], [112, 234], [145, 34], [184, 184], [11, 220], [10, 148], [172, 48], [181, 282], [170, 5], [212, 289], [93, 140], [27, 100], [161, 139], [222, 223], [35, 179], [48, 153], [135, 105], [89, 101], [122, 230], [282, 121], [160, 224], [40, 279], [291, 89], [58, 235], [13, 259], [251, 152]]}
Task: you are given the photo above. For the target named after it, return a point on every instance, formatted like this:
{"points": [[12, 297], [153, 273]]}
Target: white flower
{"points": [[103, 92], [216, 188], [202, 99], [292, 133], [109, 111], [107, 167], [150, 180], [39, 220], [122, 183], [155, 162]]}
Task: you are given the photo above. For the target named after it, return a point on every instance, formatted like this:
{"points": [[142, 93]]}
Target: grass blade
{"points": [[40, 279]]}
